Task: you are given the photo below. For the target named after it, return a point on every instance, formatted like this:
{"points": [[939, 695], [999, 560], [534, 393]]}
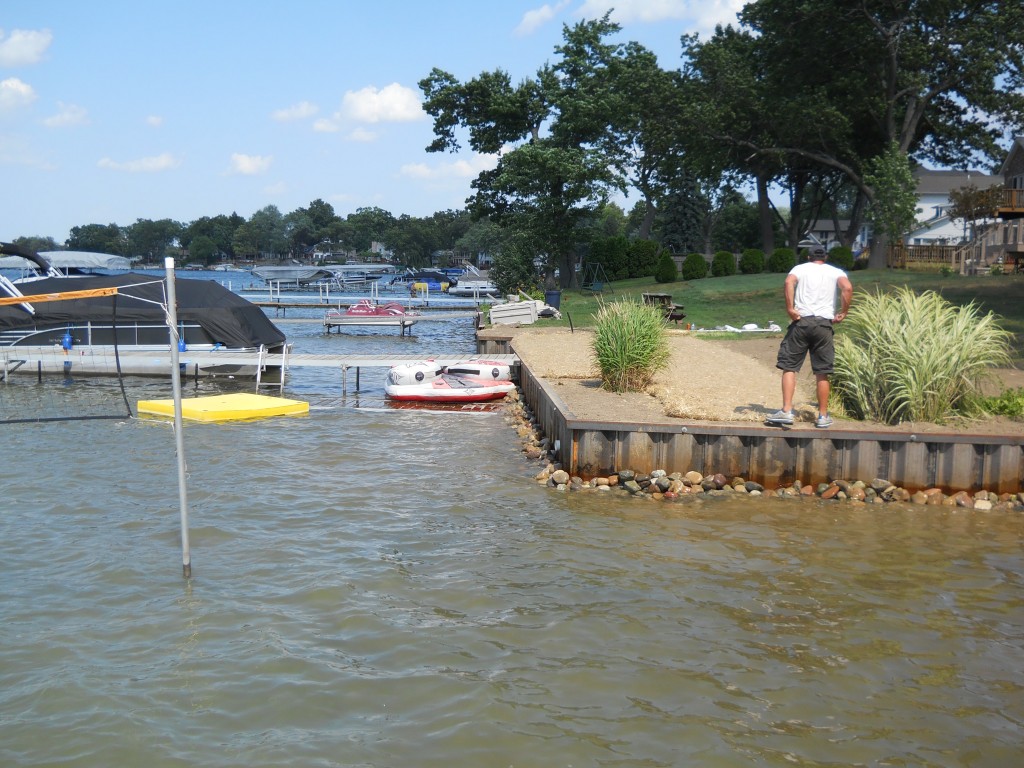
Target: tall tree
{"points": [[152, 239], [99, 238], [941, 80], [555, 167]]}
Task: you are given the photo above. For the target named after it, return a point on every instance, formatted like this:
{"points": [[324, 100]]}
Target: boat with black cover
{"points": [[89, 317]]}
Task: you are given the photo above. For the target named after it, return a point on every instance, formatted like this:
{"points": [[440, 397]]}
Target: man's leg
{"points": [[788, 390], [824, 387]]}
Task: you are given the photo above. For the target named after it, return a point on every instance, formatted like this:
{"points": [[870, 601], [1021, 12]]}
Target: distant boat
{"points": [[365, 313], [473, 288], [292, 274]]}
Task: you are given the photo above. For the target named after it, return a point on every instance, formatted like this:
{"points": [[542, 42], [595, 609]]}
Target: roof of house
{"points": [[1016, 147], [932, 182]]}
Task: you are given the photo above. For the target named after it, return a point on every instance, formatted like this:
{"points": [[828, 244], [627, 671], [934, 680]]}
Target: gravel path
{"points": [[706, 379]]}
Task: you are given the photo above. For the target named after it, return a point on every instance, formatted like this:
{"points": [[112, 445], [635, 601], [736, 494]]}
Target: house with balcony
{"points": [[994, 240]]}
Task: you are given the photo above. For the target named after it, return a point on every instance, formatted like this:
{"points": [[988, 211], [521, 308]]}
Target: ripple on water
{"points": [[392, 588]]}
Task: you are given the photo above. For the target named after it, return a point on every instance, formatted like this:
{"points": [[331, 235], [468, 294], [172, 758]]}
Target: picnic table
{"points": [[672, 311]]}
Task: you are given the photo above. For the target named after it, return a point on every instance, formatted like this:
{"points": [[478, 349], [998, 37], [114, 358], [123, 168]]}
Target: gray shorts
{"points": [[808, 334]]}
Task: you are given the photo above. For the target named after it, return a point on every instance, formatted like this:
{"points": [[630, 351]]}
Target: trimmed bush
{"points": [[752, 261], [910, 357], [629, 344], [695, 266], [642, 258], [723, 264], [842, 257], [666, 271], [781, 260]]}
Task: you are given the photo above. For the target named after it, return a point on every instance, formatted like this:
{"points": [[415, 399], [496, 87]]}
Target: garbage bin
{"points": [[553, 298]]}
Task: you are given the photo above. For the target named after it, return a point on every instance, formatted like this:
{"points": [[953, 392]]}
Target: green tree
{"points": [[203, 250], [37, 244], [559, 168], [152, 239], [895, 193], [367, 226], [99, 238]]}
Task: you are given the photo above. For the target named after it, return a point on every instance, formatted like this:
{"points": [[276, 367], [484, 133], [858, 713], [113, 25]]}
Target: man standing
{"points": [[810, 292]]}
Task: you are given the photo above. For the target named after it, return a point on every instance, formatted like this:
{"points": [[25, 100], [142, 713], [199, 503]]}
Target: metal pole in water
{"points": [[179, 438]]}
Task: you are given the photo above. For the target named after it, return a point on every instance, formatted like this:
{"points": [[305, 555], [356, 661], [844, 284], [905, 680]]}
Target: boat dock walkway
{"points": [[102, 360]]}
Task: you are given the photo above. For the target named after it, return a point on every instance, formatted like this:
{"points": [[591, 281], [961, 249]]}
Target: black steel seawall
{"points": [[773, 457]]}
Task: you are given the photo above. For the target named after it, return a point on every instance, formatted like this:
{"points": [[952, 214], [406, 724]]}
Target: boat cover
{"points": [[227, 317]]}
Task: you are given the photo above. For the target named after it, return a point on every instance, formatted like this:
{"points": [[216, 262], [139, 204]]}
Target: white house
{"points": [[934, 224]]}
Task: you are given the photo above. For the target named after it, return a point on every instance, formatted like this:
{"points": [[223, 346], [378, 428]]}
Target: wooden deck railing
{"points": [[1009, 201]]}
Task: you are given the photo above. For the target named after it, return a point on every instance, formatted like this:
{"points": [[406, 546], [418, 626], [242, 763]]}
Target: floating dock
{"points": [[232, 407]]}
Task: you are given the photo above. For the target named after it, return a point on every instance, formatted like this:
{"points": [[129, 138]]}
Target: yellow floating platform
{"points": [[226, 407]]}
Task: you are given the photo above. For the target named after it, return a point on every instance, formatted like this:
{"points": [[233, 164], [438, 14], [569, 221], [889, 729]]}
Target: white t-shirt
{"points": [[815, 293]]}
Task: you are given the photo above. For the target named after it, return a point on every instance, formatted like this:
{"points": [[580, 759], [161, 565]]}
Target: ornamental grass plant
{"points": [[904, 356], [629, 344]]}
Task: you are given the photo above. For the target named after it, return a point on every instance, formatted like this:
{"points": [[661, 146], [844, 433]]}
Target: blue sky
{"points": [[115, 110]]}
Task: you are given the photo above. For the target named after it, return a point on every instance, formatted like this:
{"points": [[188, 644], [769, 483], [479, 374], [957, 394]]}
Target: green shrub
{"points": [[642, 258], [910, 357], [723, 264], [666, 271], [611, 254], [781, 260], [695, 266], [629, 344], [995, 269], [842, 257], [1008, 403], [752, 261], [946, 270]]}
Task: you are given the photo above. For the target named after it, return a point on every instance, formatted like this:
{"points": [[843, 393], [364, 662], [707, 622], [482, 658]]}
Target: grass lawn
{"points": [[717, 301]]}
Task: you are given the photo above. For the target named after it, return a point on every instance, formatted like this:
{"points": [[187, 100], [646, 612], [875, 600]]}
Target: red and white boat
{"points": [[365, 312], [428, 382]]}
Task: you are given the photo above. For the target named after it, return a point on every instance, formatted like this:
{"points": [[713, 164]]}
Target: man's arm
{"points": [[789, 290], [845, 297]]}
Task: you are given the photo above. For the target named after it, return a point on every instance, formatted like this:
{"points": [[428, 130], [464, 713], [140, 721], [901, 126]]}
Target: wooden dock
{"points": [[101, 360]]}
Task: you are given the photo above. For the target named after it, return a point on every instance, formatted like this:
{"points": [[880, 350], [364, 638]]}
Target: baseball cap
{"points": [[817, 252]]}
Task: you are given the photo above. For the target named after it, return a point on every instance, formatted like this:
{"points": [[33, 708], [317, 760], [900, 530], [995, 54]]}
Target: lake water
{"points": [[379, 587]]}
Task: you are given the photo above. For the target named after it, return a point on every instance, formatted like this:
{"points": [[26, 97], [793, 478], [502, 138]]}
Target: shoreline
{"points": [[728, 381]]}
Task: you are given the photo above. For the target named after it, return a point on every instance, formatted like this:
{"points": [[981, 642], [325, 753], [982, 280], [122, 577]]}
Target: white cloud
{"points": [[164, 162], [704, 14], [391, 104], [67, 114], [326, 125], [301, 111], [533, 20], [23, 46], [361, 134], [15, 94], [154, 121], [250, 165], [457, 169]]}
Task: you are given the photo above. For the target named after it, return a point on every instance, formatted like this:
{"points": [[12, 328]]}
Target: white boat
{"points": [[63, 263], [427, 382], [364, 312], [297, 273], [473, 288]]}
